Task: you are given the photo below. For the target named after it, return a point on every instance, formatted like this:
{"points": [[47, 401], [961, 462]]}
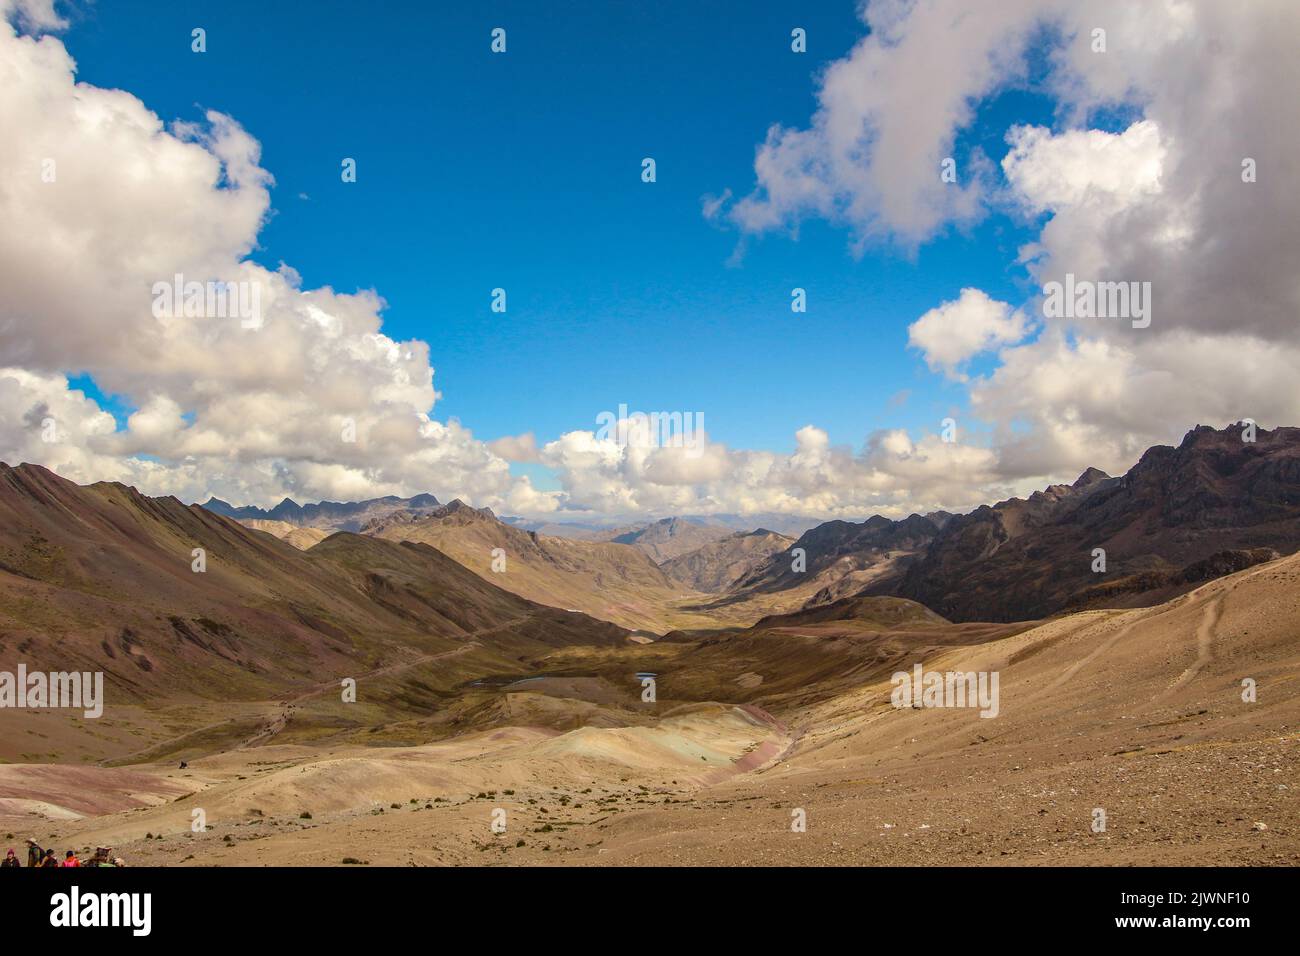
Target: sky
{"points": [[522, 170]]}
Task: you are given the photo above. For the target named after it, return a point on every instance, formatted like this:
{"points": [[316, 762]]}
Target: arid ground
{"points": [[1137, 713]]}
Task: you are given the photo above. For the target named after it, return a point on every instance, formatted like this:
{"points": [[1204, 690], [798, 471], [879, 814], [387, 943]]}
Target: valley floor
{"points": [[1137, 714]]}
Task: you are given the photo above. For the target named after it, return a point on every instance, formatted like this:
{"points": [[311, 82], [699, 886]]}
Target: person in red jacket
{"points": [[70, 859]]}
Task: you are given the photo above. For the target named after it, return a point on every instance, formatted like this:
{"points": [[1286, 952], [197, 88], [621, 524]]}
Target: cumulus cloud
{"points": [[955, 332], [1163, 201], [888, 115], [891, 475], [521, 448], [103, 204], [43, 419], [1092, 168]]}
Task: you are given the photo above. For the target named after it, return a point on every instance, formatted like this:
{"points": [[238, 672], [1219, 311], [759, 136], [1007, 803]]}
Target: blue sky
{"points": [[523, 171]]}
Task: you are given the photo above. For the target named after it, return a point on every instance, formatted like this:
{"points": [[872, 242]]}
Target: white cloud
{"points": [[1091, 402], [43, 420], [887, 116], [711, 206], [1078, 168], [955, 332], [318, 402], [521, 448], [892, 475], [35, 16]]}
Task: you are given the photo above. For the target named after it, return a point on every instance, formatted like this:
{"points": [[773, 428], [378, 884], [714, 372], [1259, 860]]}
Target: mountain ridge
{"points": [[167, 598], [608, 580], [1178, 505], [325, 515]]}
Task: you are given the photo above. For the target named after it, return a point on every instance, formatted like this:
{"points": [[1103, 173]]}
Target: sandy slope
{"points": [[253, 800], [301, 538], [1138, 713]]}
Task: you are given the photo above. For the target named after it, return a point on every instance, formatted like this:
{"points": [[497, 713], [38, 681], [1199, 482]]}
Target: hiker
{"points": [[70, 859], [11, 859], [34, 853], [101, 857], [49, 860]]}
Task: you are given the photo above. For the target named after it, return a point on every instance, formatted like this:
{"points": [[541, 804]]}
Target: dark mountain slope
{"points": [[1023, 559], [102, 578]]}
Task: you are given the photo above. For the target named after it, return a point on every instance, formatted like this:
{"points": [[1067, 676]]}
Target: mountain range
{"points": [[173, 601], [611, 580], [103, 573], [326, 515], [791, 525], [1212, 504], [1210, 499]]}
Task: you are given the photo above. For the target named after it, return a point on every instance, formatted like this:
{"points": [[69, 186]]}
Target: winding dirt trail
{"points": [[1205, 634], [1101, 650]]}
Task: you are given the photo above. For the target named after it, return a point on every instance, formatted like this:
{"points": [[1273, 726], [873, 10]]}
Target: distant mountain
{"points": [[843, 551], [670, 537], [327, 515], [790, 525], [717, 565], [1176, 516], [606, 579], [559, 529], [1180, 516]]}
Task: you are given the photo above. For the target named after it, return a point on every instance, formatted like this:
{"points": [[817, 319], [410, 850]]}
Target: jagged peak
{"points": [[1090, 476], [456, 506]]}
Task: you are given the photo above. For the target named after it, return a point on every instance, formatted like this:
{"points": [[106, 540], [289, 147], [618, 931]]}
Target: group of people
{"points": [[36, 856]]}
